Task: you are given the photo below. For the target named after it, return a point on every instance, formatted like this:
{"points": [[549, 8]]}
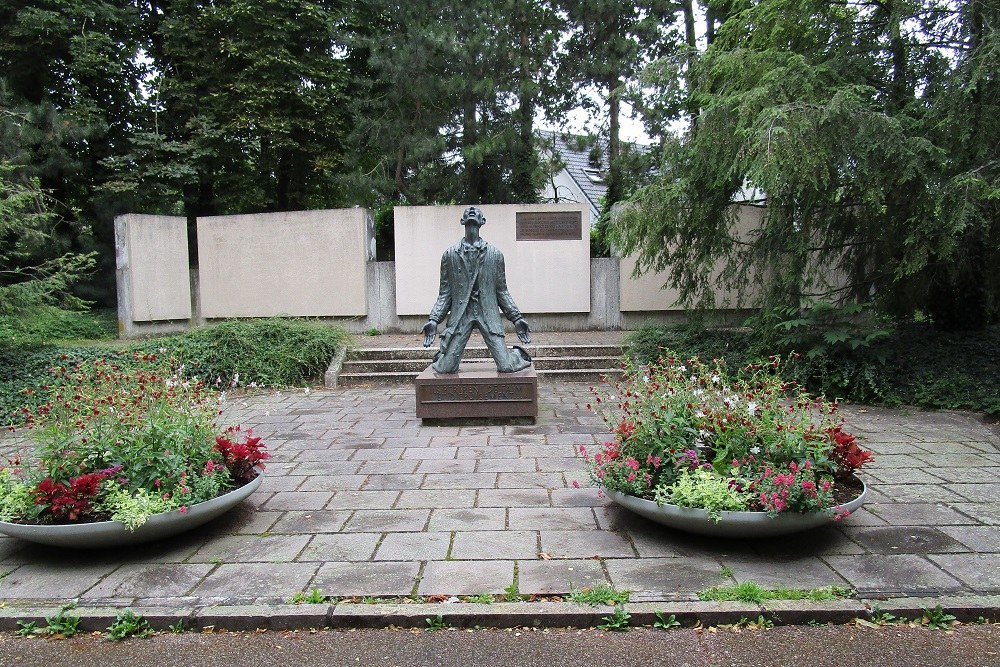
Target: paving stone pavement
{"points": [[361, 499]]}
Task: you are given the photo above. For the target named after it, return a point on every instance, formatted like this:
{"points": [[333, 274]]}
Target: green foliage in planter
{"points": [[700, 488], [134, 508]]}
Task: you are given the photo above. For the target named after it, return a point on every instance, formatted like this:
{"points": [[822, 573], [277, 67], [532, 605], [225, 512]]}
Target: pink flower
{"points": [[183, 509], [576, 484]]}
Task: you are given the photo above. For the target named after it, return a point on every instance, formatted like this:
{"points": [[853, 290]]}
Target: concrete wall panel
{"points": [[651, 292], [152, 266], [543, 276], [303, 263]]}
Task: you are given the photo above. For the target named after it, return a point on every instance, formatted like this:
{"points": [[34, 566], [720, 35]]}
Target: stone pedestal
{"points": [[477, 391]]}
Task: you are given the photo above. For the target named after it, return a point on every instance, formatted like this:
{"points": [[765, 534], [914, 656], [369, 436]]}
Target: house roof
{"points": [[586, 161]]}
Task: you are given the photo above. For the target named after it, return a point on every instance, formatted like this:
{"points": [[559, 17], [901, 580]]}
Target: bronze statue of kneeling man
{"points": [[472, 295]]}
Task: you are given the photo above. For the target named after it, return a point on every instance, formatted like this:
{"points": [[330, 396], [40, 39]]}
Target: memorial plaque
{"points": [[550, 226], [477, 391]]}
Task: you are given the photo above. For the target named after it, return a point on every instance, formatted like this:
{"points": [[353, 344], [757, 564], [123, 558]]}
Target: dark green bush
{"points": [[736, 346], [908, 365], [835, 348], [931, 368], [48, 323], [266, 352], [269, 352]]}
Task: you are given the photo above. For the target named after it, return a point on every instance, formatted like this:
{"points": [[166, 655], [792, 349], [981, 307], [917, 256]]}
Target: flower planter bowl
{"points": [[105, 534], [733, 524]]}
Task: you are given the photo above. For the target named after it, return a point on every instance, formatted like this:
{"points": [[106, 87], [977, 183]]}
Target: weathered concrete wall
{"points": [[650, 291], [321, 264], [152, 272], [550, 276], [304, 263]]}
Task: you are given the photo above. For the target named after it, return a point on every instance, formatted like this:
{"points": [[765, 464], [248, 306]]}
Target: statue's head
{"points": [[473, 215]]}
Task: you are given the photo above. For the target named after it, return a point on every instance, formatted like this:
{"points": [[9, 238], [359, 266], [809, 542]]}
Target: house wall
{"points": [[563, 189]]}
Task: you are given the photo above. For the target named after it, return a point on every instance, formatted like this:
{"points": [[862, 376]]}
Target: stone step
{"points": [[401, 365], [480, 352], [595, 375], [418, 365]]}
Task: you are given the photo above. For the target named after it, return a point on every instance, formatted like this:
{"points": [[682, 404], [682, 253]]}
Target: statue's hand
{"points": [[430, 331], [522, 330]]}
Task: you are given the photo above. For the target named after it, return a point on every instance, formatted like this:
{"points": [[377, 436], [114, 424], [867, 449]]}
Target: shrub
{"points": [[266, 352], [272, 352], [912, 364]]}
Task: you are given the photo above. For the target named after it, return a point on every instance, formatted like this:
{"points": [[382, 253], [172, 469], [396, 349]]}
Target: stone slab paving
{"points": [[362, 499]]}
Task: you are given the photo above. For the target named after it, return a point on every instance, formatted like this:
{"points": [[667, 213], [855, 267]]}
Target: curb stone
{"points": [[963, 608], [504, 614]]}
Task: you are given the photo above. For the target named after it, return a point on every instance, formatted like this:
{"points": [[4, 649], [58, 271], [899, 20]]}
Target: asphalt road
{"points": [[791, 646]]}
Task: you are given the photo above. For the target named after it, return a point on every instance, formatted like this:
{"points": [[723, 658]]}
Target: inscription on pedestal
{"points": [[477, 393]]}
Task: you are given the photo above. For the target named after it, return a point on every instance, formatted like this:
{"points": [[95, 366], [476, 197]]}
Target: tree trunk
{"points": [[614, 180], [691, 40], [522, 187]]}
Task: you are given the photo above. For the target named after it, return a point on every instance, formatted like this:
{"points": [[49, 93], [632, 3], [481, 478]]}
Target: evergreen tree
{"points": [[853, 123]]}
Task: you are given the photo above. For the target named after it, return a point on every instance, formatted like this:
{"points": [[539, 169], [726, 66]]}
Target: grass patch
{"points": [[598, 595], [754, 593]]}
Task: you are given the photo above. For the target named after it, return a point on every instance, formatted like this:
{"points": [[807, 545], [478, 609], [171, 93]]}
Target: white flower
{"points": [[755, 450], [752, 408], [715, 378], [699, 414], [683, 368], [306, 390]]}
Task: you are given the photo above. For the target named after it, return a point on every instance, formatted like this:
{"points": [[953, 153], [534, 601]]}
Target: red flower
{"points": [[847, 454], [71, 502], [241, 457]]}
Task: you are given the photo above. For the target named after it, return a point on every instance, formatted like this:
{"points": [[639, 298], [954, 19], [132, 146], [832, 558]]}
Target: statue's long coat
{"points": [[459, 273]]}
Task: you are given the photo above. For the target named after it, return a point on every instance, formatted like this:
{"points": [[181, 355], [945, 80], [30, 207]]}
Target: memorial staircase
{"points": [[369, 364]]}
